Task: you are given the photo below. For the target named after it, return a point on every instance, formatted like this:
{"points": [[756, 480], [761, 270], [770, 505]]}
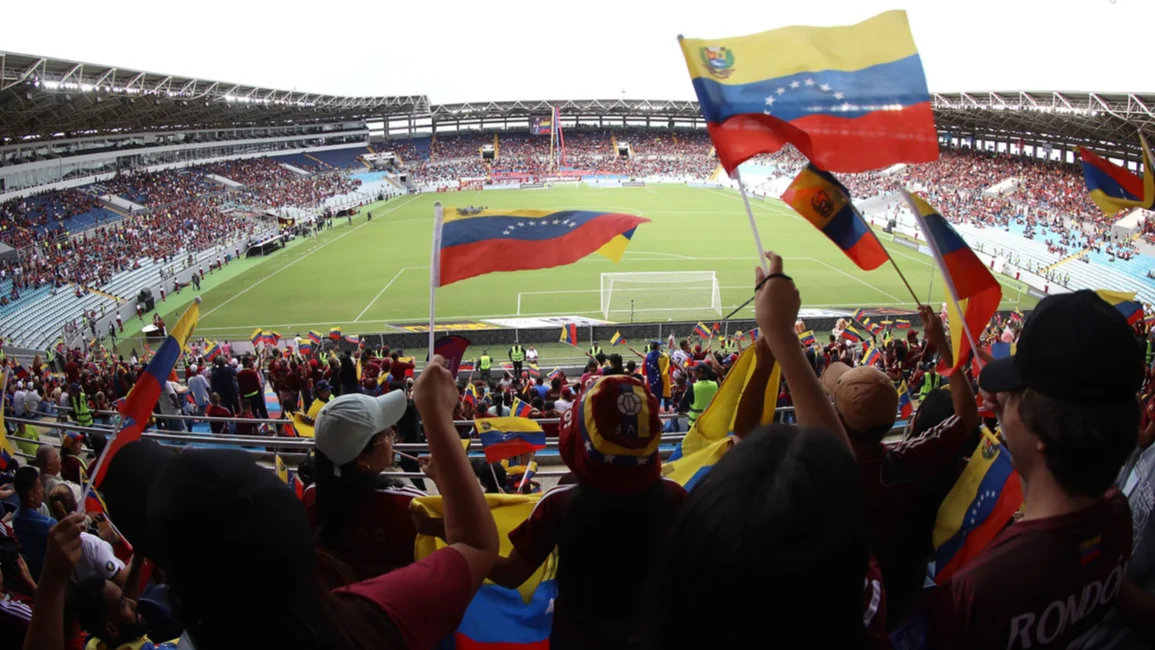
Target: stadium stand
{"points": [[346, 556]]}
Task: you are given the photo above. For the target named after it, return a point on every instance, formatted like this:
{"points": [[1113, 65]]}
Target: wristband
{"points": [[771, 277]]}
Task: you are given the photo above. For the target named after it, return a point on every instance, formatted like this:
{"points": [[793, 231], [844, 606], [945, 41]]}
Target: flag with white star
{"points": [[850, 98], [477, 242]]}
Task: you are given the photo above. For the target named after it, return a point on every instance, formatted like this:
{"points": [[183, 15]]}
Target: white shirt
{"points": [[64, 399], [561, 406], [96, 559], [18, 403], [531, 355], [199, 386], [32, 401], [166, 404]]}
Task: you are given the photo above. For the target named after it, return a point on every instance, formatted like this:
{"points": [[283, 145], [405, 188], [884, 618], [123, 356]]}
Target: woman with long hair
{"points": [[359, 515], [607, 526]]}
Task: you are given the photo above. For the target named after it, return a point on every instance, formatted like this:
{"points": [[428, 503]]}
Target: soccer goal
{"points": [[660, 293]]}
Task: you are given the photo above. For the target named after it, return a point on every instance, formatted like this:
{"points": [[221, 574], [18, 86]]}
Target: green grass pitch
{"points": [[374, 275]]}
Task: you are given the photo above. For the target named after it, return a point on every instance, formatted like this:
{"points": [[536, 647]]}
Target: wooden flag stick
{"points": [[753, 226]]}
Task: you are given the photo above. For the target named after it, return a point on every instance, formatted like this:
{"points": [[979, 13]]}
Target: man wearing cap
{"points": [[1066, 403], [899, 480], [359, 514], [323, 394]]}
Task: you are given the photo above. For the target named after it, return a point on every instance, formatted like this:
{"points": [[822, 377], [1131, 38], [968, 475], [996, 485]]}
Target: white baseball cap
{"points": [[346, 424]]}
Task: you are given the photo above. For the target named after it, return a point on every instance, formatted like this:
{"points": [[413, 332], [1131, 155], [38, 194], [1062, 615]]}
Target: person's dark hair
{"points": [[592, 523], [631, 366], [933, 410], [555, 384], [490, 480], [86, 606], [1086, 444], [616, 361], [338, 496], [592, 366], [601, 358], [24, 481], [783, 508]]}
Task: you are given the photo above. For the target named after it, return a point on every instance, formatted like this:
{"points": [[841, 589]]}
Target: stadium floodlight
{"points": [[656, 293]]}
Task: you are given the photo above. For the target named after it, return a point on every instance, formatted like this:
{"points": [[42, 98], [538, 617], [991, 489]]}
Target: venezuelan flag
{"points": [[905, 408], [467, 366], [807, 338], [1114, 188], [617, 339], [137, 408], [569, 334], [688, 471], [556, 372], [826, 204], [850, 98], [900, 324], [509, 436], [852, 335], [335, 333], [978, 507], [872, 357], [257, 337], [717, 421], [967, 279], [287, 477], [1125, 302], [315, 337], [353, 339], [859, 315], [518, 240], [520, 409], [498, 618], [469, 396], [533, 369], [7, 452], [306, 347], [700, 330], [214, 351]]}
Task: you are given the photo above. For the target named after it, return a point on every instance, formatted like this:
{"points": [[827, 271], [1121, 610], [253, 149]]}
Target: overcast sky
{"points": [[457, 51]]}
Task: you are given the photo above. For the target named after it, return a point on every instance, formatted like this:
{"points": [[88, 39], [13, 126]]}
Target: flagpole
{"points": [[753, 226], [945, 276], [434, 269]]}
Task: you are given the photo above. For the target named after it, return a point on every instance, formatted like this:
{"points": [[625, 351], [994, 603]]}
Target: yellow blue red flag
{"points": [[826, 204], [851, 98], [498, 618], [477, 242], [717, 421], [507, 437], [1125, 302], [1114, 188]]}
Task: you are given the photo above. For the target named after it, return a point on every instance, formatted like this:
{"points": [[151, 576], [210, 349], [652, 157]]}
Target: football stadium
{"points": [[347, 370]]}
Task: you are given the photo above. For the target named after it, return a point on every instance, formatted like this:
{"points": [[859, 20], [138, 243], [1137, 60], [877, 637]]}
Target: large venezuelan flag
{"points": [[978, 507], [850, 98], [969, 284], [137, 407], [1125, 302], [519, 240], [825, 203], [500, 618], [1114, 188]]}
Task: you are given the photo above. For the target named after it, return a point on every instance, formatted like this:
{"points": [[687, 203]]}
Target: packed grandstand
{"points": [[97, 228]]}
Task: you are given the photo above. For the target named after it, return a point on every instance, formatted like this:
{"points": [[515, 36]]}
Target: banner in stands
{"points": [[454, 326], [823, 313], [549, 321], [472, 183], [540, 125]]}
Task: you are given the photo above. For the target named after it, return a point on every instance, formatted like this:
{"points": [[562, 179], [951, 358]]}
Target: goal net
{"points": [[684, 294]]}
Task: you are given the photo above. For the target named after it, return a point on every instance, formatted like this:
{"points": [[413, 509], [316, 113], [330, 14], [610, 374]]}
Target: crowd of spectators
{"points": [[155, 189], [335, 565]]}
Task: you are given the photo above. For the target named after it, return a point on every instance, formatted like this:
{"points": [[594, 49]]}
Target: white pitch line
{"points": [[859, 280], [403, 269], [337, 238], [681, 257]]}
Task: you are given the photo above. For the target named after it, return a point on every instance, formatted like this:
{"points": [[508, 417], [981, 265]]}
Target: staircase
{"points": [[322, 163], [496, 147], [1069, 258]]}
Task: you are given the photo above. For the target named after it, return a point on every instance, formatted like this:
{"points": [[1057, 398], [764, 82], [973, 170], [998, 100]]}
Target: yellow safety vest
{"points": [[517, 354], [485, 362], [595, 350]]}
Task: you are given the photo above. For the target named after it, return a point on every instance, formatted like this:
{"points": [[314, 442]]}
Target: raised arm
{"points": [[776, 309], [469, 526], [962, 394]]}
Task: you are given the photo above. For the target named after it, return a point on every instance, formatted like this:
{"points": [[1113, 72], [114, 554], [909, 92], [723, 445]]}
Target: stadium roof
{"points": [[44, 98], [41, 97], [1053, 117]]}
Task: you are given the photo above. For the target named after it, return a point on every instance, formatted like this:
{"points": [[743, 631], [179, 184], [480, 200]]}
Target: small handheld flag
{"points": [[507, 437], [826, 204], [452, 349], [335, 333], [1124, 302], [520, 409], [905, 409], [569, 334], [1113, 188], [808, 339], [872, 357], [617, 339], [852, 335], [701, 331], [257, 337], [315, 337], [467, 366]]}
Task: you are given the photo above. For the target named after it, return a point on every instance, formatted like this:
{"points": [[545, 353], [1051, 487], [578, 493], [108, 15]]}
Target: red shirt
{"points": [[382, 537], [425, 600], [247, 429], [398, 369], [901, 499], [217, 411], [248, 382], [535, 538], [1041, 583]]}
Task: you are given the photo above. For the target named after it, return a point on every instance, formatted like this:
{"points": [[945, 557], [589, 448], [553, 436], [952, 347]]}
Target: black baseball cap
{"points": [[1074, 347]]}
